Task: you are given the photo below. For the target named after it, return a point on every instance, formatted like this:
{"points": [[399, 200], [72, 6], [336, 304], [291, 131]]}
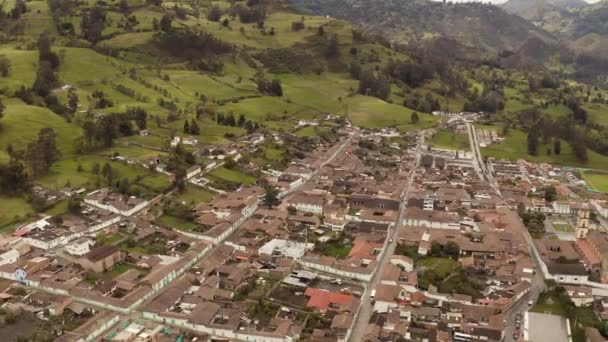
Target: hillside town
{"points": [[371, 236]]}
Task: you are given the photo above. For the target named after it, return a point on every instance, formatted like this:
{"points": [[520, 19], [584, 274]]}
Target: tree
{"points": [[180, 178], [276, 88], [194, 129], [124, 7], [45, 79], [557, 146], [108, 173], [165, 23], [42, 152], [2, 109], [186, 126], [533, 142], [333, 47], [93, 23], [452, 250], [426, 160], [436, 249], [5, 66], [215, 14], [271, 197], [550, 194], [72, 101], [414, 118], [579, 148], [74, 206], [139, 115]]}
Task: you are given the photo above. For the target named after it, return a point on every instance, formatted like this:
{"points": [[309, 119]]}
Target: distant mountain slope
{"points": [[530, 9], [478, 27]]}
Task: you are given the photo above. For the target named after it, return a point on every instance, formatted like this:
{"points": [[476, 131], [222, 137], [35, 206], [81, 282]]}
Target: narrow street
{"points": [[367, 309]]}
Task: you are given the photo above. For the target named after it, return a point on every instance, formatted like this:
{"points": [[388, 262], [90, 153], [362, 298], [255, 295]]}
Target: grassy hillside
{"points": [[181, 62]]}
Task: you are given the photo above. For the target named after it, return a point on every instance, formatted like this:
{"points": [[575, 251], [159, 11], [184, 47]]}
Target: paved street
{"points": [[367, 309]]}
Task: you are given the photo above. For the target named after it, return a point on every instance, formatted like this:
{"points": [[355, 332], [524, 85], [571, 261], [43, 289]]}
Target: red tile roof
{"points": [[321, 299]]}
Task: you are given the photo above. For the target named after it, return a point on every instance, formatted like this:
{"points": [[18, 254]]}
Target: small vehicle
{"points": [[531, 302], [391, 240]]}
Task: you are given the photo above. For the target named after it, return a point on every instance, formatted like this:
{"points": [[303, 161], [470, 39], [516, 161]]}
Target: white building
{"points": [[79, 247], [308, 203], [9, 257], [193, 171], [406, 263], [562, 208], [115, 203], [601, 208], [290, 249]]}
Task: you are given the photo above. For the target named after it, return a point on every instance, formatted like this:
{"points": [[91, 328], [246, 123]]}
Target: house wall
{"points": [[214, 332], [328, 269], [309, 208]]}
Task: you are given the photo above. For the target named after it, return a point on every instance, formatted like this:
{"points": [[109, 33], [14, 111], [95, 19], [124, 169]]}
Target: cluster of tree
{"points": [[102, 132], [19, 9], [273, 87], [449, 250], [100, 100], [542, 129], [48, 63], [550, 193], [191, 43], [179, 163], [297, 26], [426, 104], [42, 152], [62, 11], [546, 81], [93, 23], [229, 120], [14, 178], [534, 221], [191, 127], [409, 72], [580, 115], [374, 84], [490, 101], [249, 14], [215, 13]]}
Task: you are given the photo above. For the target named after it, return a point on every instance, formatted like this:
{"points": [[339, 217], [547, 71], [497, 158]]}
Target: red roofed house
{"points": [[323, 300]]}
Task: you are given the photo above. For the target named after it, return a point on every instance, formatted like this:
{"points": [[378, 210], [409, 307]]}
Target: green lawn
{"points": [[274, 154], [450, 140], [563, 228], [66, 172], [232, 176], [194, 194], [441, 266], [595, 180], [58, 208], [177, 223], [109, 239], [267, 108], [12, 210], [322, 92], [515, 147], [311, 131], [23, 67], [21, 123], [371, 112], [117, 270]]}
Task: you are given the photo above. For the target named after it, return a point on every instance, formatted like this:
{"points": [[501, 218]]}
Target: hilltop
{"points": [[478, 27]]}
